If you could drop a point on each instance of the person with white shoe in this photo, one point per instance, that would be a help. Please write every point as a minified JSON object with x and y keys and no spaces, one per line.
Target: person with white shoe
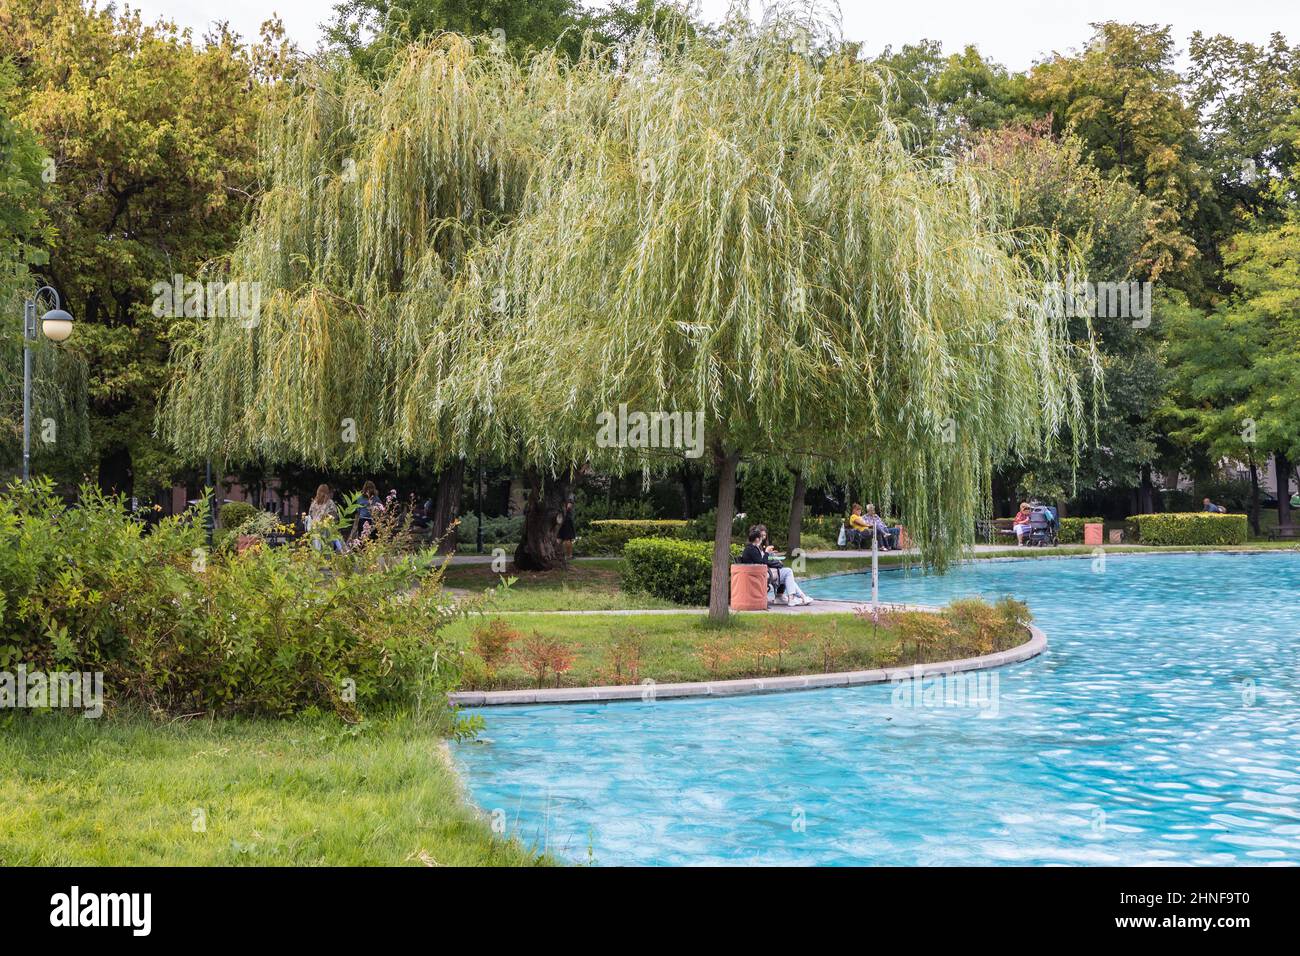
{"x":758,"y":551}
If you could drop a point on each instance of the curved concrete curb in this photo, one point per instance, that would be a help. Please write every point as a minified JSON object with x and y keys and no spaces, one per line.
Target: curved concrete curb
{"x":1036,"y":644}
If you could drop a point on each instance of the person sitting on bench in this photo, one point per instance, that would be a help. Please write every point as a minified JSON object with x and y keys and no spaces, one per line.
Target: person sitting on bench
{"x":859,"y":528}
{"x":757,"y":551}
{"x":883,"y":534}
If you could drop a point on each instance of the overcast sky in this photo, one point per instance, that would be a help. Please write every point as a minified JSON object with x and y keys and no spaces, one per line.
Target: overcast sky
{"x":1012,"y":32}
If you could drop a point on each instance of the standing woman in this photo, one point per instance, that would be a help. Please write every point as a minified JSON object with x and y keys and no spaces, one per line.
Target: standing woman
{"x":366,"y":504}
{"x":323,"y":509}
{"x":567,"y":530}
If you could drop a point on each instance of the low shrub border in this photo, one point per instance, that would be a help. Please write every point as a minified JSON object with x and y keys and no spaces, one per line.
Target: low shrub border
{"x":608,"y":536}
{"x":1188,"y":528}
{"x":1071,"y":531}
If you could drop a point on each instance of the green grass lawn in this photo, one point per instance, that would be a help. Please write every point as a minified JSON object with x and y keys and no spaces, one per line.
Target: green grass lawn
{"x":127,"y":791}
{"x":687,"y":647}
{"x":589,"y":585}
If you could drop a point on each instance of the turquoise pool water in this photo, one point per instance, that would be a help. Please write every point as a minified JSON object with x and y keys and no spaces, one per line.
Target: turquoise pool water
{"x":1162,"y":726}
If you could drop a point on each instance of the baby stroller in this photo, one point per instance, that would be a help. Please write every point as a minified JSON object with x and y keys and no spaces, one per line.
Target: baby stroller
{"x":1043,"y":527}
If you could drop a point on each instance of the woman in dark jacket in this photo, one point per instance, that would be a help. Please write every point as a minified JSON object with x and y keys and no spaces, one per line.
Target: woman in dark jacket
{"x":567,"y":530}
{"x":758,"y":551}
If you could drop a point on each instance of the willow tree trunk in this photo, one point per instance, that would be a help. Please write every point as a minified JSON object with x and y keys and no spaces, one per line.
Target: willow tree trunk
{"x":1283,"y":469}
{"x":539,"y":548}
{"x":720,"y":586}
{"x":796,"y":511}
{"x":1146,"y":493}
{"x":446,"y":506}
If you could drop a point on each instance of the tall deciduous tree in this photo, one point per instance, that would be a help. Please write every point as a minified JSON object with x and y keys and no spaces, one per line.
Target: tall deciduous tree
{"x":1049,"y":185}
{"x":1121,"y":95}
{"x":59,"y":377}
{"x":151,"y":136}
{"x":1237,"y":366}
{"x":483,"y":253}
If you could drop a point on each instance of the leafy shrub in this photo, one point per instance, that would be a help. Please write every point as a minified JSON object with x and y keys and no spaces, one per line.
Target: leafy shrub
{"x":776,"y":639}
{"x":1071,"y":531}
{"x":500,"y":530}
{"x":925,"y":633}
{"x":826,"y":527}
{"x":623,"y":657}
{"x":183,"y":630}
{"x":831,"y":648}
{"x":592,"y":505}
{"x":492,"y":642}
{"x":541,"y":655}
{"x":1188,"y":528}
{"x":700,"y":528}
{"x":234,"y":513}
{"x":678,"y":571}
{"x":815,"y":542}
{"x":609,"y":535}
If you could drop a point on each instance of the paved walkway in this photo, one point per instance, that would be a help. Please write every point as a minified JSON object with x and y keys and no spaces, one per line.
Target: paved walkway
{"x":471,"y":557}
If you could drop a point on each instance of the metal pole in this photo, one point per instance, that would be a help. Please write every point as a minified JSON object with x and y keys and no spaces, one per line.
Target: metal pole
{"x":29,"y":329}
{"x":875,"y":569}
{"x":210,"y":521}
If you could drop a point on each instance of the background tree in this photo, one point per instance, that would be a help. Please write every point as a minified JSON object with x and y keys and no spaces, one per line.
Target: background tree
{"x":375,"y":32}
{"x":152,"y":142}
{"x":1049,"y":185}
{"x":1121,"y":96}
{"x":1237,"y":366}
{"x":59,"y":377}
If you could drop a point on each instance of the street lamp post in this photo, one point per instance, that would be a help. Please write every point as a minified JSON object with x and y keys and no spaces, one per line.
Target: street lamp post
{"x":56,"y":325}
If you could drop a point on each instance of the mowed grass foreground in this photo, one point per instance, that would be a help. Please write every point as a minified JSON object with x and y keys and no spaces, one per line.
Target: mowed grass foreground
{"x":124,"y":791}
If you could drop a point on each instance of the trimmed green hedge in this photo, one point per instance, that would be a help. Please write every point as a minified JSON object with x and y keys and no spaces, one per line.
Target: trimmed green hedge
{"x":1072,"y":529}
{"x":610,"y":535}
{"x":234,"y":513}
{"x":1188,"y":528}
{"x":668,"y":568}
{"x":824,"y":526}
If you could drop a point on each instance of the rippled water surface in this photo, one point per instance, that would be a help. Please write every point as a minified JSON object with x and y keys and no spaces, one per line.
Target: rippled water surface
{"x":1162,"y":725}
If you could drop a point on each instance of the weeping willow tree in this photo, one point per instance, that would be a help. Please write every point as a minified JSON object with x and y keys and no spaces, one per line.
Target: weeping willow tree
{"x":720,"y":238}
{"x":477,"y":254}
{"x":373,"y":196}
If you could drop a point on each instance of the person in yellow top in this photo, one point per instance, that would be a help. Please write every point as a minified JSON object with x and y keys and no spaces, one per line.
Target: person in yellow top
{"x":863,"y":524}
{"x":858,"y":527}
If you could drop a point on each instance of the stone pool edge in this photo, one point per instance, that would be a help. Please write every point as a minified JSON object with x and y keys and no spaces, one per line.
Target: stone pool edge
{"x":1036,"y":644}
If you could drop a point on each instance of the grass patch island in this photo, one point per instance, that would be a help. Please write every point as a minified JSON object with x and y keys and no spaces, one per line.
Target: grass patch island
{"x":511,"y":651}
